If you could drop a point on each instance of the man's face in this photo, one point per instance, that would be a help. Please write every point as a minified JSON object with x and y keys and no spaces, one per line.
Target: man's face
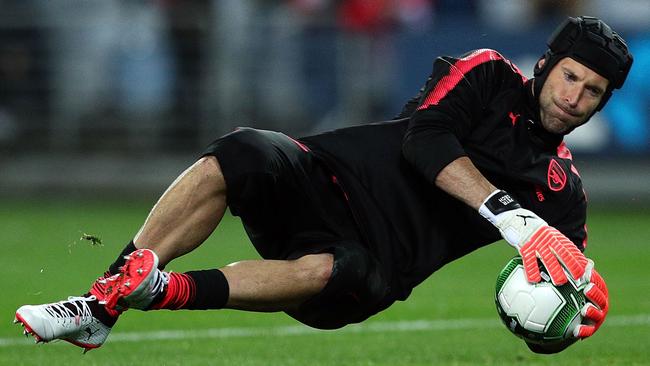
{"x":571,"y":93}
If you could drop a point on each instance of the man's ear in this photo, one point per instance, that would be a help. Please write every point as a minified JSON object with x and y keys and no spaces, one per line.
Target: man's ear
{"x":541,"y":62}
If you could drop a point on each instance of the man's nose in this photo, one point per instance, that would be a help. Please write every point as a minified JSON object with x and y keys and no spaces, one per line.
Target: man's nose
{"x":572,"y":95}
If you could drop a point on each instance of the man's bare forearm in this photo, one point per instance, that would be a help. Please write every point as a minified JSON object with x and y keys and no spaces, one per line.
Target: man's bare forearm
{"x":462,"y":180}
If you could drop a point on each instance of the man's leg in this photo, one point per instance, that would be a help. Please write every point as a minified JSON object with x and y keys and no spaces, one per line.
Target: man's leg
{"x":184,"y":216}
{"x":252,"y":162}
{"x":187,"y":213}
{"x":253,"y":285}
{"x":267,"y":285}
{"x":342,"y":285}
{"x":182,"y":219}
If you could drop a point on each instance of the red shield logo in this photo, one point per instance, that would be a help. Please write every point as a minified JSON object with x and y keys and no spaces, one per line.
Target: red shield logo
{"x":556,"y":176}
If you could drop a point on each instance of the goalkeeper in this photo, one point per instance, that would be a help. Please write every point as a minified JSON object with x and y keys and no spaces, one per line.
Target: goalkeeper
{"x":350,"y":221}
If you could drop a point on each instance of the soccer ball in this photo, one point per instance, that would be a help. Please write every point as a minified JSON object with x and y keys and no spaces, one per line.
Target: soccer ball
{"x":540,"y":313}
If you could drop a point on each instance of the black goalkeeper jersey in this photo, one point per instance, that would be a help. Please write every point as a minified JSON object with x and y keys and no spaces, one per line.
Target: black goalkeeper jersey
{"x":478,"y":106}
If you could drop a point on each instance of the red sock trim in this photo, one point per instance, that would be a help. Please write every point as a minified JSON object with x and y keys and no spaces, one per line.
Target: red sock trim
{"x":181,"y":291}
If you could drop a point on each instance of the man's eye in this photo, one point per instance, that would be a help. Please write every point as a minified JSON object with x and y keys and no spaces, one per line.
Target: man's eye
{"x":594,"y":92}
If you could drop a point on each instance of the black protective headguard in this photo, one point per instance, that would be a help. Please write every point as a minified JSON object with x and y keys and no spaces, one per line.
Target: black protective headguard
{"x":594,"y":44}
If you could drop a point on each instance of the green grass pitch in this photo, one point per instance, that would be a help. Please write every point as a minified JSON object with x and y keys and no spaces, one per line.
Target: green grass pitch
{"x":449,"y":320}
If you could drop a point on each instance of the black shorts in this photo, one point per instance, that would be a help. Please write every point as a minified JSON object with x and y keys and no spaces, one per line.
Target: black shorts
{"x":291,"y":206}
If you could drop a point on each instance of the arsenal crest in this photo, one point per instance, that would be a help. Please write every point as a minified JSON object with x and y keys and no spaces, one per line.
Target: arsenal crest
{"x":556,"y":176}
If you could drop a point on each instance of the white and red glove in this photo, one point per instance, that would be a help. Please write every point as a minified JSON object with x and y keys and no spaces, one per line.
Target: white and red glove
{"x":594,"y":311}
{"x":534,"y":238}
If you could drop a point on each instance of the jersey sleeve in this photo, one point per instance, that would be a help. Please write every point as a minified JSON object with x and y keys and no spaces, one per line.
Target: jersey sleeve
{"x":449,"y":108}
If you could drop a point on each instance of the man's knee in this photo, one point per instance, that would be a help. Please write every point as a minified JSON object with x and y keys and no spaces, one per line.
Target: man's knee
{"x":209,"y":165}
{"x":316,"y":269}
{"x":208,"y":168}
{"x":251,"y":147}
{"x":355,"y":289}
{"x":247,"y":153}
{"x":256,"y":166}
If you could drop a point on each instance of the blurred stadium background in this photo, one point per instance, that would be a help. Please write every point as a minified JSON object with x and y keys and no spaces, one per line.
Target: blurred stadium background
{"x":104,"y":102}
{"x":118,"y":96}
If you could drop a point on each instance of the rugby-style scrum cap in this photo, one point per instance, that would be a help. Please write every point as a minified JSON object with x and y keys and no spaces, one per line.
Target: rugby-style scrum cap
{"x":594,"y":44}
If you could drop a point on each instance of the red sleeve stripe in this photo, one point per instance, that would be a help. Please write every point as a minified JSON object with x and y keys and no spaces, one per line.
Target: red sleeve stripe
{"x":457,"y":72}
{"x":302,"y":146}
{"x":564,"y":153}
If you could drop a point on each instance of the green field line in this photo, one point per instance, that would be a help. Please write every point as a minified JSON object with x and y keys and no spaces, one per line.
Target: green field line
{"x":283,"y":331}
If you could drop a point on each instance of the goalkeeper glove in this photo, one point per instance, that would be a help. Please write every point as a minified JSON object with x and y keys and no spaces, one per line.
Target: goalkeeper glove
{"x":533,"y":238}
{"x":596,"y":309}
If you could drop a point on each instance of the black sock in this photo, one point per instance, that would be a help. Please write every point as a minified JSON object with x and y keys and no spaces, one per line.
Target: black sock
{"x":212,"y":289}
{"x":194,"y":290}
{"x":119,"y":262}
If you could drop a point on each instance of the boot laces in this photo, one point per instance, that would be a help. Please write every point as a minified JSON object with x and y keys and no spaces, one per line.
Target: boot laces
{"x":74,"y":311}
{"x":160,"y":282}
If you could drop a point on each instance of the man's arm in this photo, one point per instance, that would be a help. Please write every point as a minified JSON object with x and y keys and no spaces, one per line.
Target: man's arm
{"x":463,"y":181}
{"x":521,"y":228}
{"x":451,"y":108}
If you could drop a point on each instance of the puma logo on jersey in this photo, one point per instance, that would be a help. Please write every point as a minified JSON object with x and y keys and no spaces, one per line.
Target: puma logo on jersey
{"x":525,"y":217}
{"x":513,"y":117}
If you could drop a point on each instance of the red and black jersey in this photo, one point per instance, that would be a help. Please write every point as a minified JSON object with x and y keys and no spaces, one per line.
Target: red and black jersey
{"x":480,"y":106}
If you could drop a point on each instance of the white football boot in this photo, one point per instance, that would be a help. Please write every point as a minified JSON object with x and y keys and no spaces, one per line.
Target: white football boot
{"x":70,"y":320}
